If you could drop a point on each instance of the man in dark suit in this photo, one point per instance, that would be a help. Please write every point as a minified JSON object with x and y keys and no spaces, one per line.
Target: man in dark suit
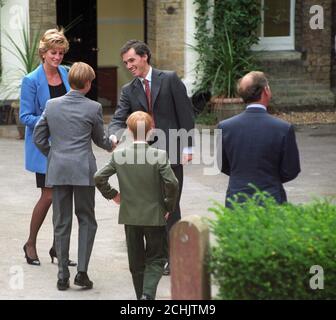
{"x":163,"y":95}
{"x":256,"y":147}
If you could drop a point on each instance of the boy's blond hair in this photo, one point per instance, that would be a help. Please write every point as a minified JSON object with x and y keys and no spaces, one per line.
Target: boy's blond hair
{"x":80,"y":73}
{"x":139,"y":123}
{"x":53,"y":39}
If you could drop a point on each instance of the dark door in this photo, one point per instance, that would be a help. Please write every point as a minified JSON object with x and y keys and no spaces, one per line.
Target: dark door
{"x":79,"y":18}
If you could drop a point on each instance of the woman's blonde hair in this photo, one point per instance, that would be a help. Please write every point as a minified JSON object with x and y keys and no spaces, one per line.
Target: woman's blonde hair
{"x":52,"y":39}
{"x":79,"y":74}
{"x":139,"y":123}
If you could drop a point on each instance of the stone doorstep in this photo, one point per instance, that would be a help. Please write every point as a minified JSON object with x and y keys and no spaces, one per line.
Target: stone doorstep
{"x":305,"y":102}
{"x":278,"y":56}
{"x":9,"y":131}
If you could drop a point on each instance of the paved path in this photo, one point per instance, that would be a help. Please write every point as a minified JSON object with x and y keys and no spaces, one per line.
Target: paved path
{"x":109,"y":268}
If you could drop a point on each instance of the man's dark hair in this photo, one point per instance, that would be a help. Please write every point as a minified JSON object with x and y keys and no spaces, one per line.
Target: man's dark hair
{"x":252,"y":92}
{"x":139,"y":47}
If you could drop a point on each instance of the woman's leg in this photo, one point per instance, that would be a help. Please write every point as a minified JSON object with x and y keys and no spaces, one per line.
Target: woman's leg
{"x":39,"y":213}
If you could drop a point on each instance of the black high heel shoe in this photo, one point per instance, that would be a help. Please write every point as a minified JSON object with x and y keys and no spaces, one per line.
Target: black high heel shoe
{"x":52,"y":253}
{"x":34,"y":262}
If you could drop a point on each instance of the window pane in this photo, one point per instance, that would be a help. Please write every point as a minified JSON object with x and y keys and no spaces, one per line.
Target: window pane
{"x":277,"y":18}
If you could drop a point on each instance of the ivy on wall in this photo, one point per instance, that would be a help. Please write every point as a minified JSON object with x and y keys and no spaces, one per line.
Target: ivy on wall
{"x":225,"y":32}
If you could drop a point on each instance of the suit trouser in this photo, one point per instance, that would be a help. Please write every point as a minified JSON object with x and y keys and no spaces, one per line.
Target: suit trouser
{"x":176,"y":214}
{"x":146,"y":248}
{"x":84,"y":198}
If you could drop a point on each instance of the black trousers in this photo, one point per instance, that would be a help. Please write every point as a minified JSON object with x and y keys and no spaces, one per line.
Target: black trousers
{"x":146,"y":249}
{"x":176,"y":215}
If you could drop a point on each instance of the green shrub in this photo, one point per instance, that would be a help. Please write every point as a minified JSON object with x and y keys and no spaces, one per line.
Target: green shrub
{"x":266,"y":252}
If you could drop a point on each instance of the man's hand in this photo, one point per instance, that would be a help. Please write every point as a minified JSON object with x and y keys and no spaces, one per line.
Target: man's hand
{"x":114,"y":140}
{"x":167,"y":216}
{"x":187,"y":157}
{"x":116,"y":199}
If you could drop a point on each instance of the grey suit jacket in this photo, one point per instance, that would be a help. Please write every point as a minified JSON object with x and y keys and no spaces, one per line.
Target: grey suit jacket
{"x":260,"y":149}
{"x":148,"y":186}
{"x":172,"y":109}
{"x":71,"y":122}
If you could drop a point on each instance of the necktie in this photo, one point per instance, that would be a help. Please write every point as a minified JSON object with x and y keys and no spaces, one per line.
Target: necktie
{"x":148,"y":95}
{"x":149,"y":100}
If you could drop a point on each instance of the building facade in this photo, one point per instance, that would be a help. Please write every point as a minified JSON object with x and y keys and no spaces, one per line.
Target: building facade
{"x":298,"y":55}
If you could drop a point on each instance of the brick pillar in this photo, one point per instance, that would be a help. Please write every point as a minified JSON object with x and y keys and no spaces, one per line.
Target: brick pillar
{"x":166,"y":34}
{"x":42,"y":15}
{"x":298,"y":25}
{"x":316,"y":44}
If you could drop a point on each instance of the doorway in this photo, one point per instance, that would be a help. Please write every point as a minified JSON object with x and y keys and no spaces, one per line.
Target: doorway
{"x":79,"y":18}
{"x":98,"y":29}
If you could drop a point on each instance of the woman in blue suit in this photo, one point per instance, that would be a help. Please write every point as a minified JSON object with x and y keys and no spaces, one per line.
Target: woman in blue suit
{"x":48,"y":80}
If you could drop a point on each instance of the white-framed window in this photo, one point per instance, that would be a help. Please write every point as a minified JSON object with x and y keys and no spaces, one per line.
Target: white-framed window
{"x":276,"y":31}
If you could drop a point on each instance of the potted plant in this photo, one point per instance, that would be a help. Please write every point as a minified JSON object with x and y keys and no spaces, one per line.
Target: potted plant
{"x":225,"y":32}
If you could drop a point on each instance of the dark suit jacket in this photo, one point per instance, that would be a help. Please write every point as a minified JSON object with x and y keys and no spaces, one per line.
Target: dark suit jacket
{"x":172,"y":109}
{"x":259,"y":149}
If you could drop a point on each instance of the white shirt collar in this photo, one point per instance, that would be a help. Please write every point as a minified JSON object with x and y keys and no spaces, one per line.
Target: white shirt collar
{"x":256,"y":105}
{"x":149,"y":75}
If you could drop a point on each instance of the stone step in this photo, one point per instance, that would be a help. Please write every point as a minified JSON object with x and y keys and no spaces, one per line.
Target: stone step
{"x":282,"y":56}
{"x":322,"y":101}
{"x":283,"y":72}
{"x":297,"y":83}
{"x":292,"y":92}
{"x":9,"y":131}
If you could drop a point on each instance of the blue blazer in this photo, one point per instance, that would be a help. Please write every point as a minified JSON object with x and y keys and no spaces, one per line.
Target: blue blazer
{"x":34,"y":95}
{"x":260,"y":149}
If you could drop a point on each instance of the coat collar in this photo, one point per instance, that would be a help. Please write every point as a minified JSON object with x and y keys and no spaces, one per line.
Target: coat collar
{"x":156,"y":84}
{"x":139,"y":92}
{"x":255,"y":110}
{"x":75,"y":93}
{"x":43,"y":94}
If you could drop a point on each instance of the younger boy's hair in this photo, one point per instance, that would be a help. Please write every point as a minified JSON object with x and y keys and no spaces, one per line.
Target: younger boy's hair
{"x":79,"y":74}
{"x":139,"y":123}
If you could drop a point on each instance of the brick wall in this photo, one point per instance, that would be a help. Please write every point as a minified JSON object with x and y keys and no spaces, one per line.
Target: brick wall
{"x":166,"y":34}
{"x":151,"y":29}
{"x":42,"y":15}
{"x":316,"y":44}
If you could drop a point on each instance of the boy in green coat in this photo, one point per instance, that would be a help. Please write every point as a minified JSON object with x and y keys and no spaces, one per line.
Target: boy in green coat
{"x":148,"y":192}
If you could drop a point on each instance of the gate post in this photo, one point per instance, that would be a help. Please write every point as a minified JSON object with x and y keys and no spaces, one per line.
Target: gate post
{"x":189,"y":245}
